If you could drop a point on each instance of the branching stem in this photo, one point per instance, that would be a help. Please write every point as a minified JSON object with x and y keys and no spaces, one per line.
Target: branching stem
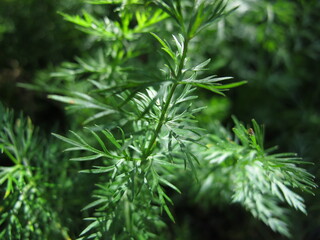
{"x":179,"y":74}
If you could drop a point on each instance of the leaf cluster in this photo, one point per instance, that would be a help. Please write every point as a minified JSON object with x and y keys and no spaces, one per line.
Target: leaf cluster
{"x":257,"y":178}
{"x":26,"y":178}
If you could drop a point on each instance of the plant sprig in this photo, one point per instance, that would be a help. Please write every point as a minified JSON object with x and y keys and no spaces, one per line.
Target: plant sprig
{"x":141,"y":128}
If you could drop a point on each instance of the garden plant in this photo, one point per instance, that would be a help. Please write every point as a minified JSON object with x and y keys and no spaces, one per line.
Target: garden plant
{"x":138,"y":135}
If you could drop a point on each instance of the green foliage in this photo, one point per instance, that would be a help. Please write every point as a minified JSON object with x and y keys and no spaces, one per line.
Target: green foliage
{"x":141,"y":136}
{"x":26,"y":179}
{"x":25,"y":20}
{"x":258,"y":179}
{"x":273,"y":45}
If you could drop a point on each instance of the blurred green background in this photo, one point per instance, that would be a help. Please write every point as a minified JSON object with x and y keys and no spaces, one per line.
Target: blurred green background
{"x":274,"y":45}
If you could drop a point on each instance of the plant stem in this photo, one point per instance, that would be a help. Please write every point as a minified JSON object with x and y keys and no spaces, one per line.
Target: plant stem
{"x":161,"y":121}
{"x":168,"y":101}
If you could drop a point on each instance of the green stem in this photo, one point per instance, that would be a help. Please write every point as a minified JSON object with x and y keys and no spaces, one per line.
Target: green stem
{"x":161,"y":121}
{"x":168,"y":101}
{"x":184,"y":54}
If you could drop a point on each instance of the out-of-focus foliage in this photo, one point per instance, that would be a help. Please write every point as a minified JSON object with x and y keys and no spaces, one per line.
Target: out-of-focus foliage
{"x":275,"y":46}
{"x":33,"y":35}
{"x":30,"y":182}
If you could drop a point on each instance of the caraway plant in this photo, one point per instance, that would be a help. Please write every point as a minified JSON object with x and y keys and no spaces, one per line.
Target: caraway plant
{"x":136,"y":140}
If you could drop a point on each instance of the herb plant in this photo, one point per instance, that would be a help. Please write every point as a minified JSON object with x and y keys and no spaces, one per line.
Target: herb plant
{"x":141,"y":135}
